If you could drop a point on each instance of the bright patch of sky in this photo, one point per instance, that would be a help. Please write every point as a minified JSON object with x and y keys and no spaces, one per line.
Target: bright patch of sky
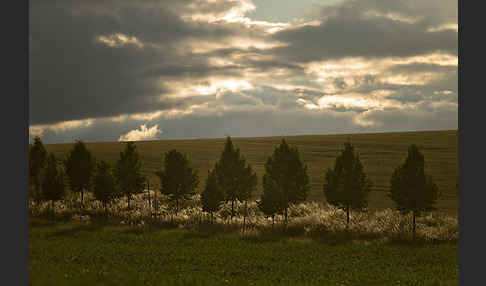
{"x":286,"y":10}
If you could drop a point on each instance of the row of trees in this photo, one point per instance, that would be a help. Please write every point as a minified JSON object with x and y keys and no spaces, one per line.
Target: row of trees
{"x":49,"y":176}
{"x":285,"y":181}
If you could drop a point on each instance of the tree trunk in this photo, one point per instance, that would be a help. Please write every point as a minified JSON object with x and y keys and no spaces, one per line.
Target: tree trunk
{"x":413,"y":230}
{"x":177,"y":206}
{"x":211,"y":217}
{"x":232,"y":209}
{"x":244,"y":218}
{"x":148,"y":190}
{"x":156,"y":204}
{"x":128,"y":201}
{"x":347,"y":217}
{"x":286,"y":217}
{"x":82,"y":197}
{"x":273,"y":220}
{"x":52,"y":205}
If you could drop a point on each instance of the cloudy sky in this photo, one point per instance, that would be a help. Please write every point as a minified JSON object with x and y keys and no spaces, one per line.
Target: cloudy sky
{"x":109,"y":70}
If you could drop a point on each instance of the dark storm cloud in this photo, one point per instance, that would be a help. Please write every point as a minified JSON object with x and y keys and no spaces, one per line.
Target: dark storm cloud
{"x":168,"y":60}
{"x":72,"y":76}
{"x":353,"y":29}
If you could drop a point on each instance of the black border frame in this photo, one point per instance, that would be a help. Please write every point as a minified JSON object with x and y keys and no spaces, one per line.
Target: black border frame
{"x":15,"y":239}
{"x":15,"y":115}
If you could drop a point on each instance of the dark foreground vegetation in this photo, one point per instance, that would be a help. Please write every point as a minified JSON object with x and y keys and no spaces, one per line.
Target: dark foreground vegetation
{"x":97,"y":254}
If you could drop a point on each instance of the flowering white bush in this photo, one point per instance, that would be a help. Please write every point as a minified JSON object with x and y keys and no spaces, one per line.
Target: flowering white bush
{"x":309,"y":218}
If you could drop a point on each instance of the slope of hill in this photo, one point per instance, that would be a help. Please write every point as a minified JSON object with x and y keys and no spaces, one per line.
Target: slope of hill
{"x":379,"y":152}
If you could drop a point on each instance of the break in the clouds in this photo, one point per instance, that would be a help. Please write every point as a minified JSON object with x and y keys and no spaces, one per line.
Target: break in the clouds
{"x":118,"y":70}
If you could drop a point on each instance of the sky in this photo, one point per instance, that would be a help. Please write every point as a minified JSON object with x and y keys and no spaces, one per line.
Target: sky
{"x":116,"y":70}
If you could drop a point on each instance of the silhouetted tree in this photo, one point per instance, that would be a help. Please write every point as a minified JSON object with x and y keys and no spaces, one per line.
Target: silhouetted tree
{"x":37,"y":164}
{"x":53,"y":187}
{"x":347,"y":186}
{"x":104,"y":185}
{"x":177,"y":179}
{"x":411,"y":189}
{"x":212,"y":196}
{"x":271,"y":198}
{"x":79,"y":168}
{"x":128,"y":172}
{"x":289,"y":175}
{"x":235,"y":177}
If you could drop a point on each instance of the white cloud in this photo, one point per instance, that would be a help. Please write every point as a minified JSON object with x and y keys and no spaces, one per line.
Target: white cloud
{"x":143,"y":133}
{"x":444,"y":27}
{"x":36,"y":131}
{"x":119,"y":39}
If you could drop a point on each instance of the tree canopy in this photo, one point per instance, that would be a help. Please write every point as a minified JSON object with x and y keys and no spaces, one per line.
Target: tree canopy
{"x":128,"y":172}
{"x":79,"y":168}
{"x":37,"y":163}
{"x":235,"y":177}
{"x":347,"y":186}
{"x":270,"y":202}
{"x":411,"y":189}
{"x":212,"y":195}
{"x":104,"y":185}
{"x":286,"y":176}
{"x":53,"y":187}
{"x":177,"y":179}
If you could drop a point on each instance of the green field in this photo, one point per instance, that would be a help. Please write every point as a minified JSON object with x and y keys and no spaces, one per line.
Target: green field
{"x":71,"y":254}
{"x":380,"y":153}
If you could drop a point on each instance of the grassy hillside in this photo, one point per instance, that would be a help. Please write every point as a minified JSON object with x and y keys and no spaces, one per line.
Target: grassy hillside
{"x":379,"y":152}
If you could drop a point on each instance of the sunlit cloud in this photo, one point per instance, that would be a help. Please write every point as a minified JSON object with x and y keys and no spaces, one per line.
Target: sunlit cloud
{"x":244,"y":43}
{"x":212,"y":86}
{"x":444,"y":27}
{"x":445,"y":92}
{"x":119,"y":40}
{"x":236,"y":15}
{"x":392,"y":16}
{"x":146,"y":116}
{"x":347,"y":70}
{"x":143,"y":133}
{"x":39,"y":130}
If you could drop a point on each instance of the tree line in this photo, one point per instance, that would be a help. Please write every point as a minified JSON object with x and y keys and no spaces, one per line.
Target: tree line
{"x":285,"y":181}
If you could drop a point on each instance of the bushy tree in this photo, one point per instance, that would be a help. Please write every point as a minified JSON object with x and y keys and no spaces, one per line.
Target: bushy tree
{"x":37,"y":164}
{"x":53,"y":187}
{"x":270,"y":200}
{"x":235,"y":177}
{"x":411,"y":189}
{"x":177,"y":179}
{"x":128,"y":172}
{"x":79,"y":168}
{"x":104,"y":185}
{"x":289,"y":176}
{"x":347,"y":186}
{"x":212,"y":195}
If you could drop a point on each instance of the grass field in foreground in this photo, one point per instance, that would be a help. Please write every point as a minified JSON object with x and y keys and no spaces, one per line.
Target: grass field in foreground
{"x":70,"y":254}
{"x":380,"y":154}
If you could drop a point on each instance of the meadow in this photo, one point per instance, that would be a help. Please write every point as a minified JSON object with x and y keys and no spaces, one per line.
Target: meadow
{"x":97,"y":254}
{"x":380,"y":153}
